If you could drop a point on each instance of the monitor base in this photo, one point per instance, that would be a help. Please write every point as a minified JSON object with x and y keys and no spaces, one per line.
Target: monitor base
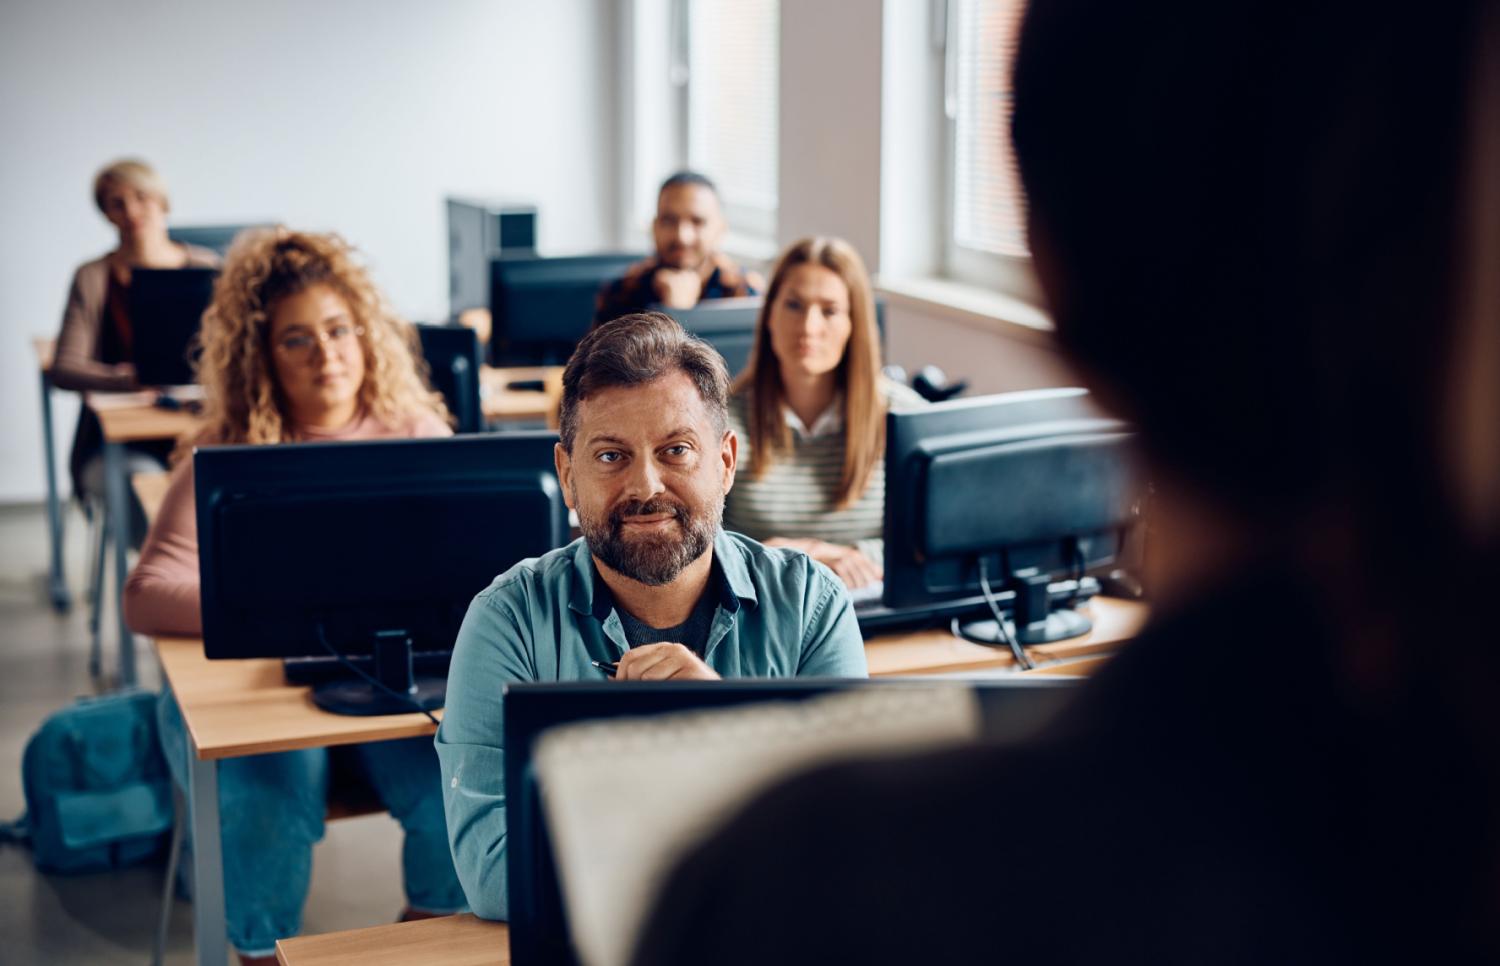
{"x":364,"y":699}
{"x":1058,"y":625}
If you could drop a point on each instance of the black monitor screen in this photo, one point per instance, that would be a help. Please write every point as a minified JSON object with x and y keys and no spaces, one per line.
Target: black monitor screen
{"x":1010,"y":709}
{"x":453,"y":359}
{"x":344,"y":541}
{"x":166,"y":308}
{"x":542,"y":307}
{"x":726,"y":324}
{"x":1034,"y":486}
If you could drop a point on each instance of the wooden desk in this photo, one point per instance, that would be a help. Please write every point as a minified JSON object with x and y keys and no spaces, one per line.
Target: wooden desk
{"x":62,"y":601}
{"x":451,"y":940}
{"x":134,"y":417}
{"x":150,"y":489}
{"x":937,"y":651}
{"x":500,"y":403}
{"x":235,"y":708}
{"x":129,"y":417}
{"x":45,"y":349}
{"x":467,"y":941}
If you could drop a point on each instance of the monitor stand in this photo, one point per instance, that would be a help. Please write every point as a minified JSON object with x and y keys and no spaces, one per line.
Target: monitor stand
{"x":403,"y":691}
{"x":1034,"y":619}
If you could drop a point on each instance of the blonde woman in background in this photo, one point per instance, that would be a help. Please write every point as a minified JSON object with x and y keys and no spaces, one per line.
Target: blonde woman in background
{"x":95,"y":342}
{"x":298,"y":345}
{"x":809,"y":411}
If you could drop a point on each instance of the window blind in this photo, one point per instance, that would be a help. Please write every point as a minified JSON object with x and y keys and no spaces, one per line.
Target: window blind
{"x":733,"y":54}
{"x":989,"y":209}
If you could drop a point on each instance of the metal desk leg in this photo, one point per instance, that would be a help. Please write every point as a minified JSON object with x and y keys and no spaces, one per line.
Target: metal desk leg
{"x":61,"y":601}
{"x":119,"y":533}
{"x":209,"y":930}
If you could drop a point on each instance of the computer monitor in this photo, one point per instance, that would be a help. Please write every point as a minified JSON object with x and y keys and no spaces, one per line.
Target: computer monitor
{"x":366,"y":548}
{"x":479,"y":230}
{"x":1010,"y":709}
{"x":729,"y":326}
{"x":542,"y":307}
{"x":453,"y":360}
{"x":215,"y":237}
{"x":726,"y":324}
{"x":1025,"y":492}
{"x":166,"y":307}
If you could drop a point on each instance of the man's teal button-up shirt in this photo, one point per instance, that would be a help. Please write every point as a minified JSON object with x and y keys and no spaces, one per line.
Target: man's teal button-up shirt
{"x":779,"y":614}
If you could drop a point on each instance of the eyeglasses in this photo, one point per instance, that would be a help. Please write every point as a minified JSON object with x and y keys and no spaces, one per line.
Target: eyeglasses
{"x":336,"y":338}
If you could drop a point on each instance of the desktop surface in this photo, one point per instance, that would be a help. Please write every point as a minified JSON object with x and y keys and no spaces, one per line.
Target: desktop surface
{"x":237,"y":708}
{"x":246,"y":707}
{"x":461,"y":940}
{"x":133,"y":417}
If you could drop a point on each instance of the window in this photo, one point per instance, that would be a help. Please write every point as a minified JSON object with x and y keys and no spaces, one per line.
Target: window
{"x":987,"y":209}
{"x":732,"y":103}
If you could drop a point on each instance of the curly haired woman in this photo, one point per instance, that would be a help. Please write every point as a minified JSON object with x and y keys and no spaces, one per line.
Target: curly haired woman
{"x":298,"y":345}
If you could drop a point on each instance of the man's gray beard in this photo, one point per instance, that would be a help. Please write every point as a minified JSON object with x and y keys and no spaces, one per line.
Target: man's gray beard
{"x":657,"y":559}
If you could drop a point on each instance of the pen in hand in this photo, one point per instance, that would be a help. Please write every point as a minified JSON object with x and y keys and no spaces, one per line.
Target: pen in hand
{"x":608,"y":667}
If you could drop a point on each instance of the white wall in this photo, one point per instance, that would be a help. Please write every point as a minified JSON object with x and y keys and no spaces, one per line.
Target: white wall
{"x":970,"y":348}
{"x":350,"y":115}
{"x":830,"y":124}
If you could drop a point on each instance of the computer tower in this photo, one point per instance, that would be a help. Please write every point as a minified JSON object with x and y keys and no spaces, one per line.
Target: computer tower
{"x":479,"y":231}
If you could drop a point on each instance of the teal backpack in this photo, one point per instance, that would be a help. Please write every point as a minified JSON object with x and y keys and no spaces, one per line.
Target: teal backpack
{"x":98,"y":795}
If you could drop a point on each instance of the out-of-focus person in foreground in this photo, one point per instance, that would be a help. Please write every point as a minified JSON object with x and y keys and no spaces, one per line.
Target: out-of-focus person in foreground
{"x":1267,"y":232}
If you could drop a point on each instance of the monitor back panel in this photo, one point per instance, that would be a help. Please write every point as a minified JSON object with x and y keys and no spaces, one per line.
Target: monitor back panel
{"x":214,"y":237}
{"x":453,"y":359}
{"x":166,"y":309}
{"x":542,"y":307}
{"x":360,"y":537}
{"x":1011,"y":709}
{"x":950,"y":460}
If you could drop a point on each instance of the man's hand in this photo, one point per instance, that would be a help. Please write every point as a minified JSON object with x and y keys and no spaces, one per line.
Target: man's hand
{"x":677,"y":288}
{"x":663,"y":662}
{"x":852,"y":567}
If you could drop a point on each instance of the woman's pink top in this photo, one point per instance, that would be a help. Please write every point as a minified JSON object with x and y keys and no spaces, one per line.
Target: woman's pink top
{"x":161,"y":596}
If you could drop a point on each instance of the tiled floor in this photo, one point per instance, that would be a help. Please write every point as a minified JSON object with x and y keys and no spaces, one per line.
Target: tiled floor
{"x":111,"y":917}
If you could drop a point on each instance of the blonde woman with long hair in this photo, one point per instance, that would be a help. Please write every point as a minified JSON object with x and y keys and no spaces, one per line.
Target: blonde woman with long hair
{"x":298,"y":345}
{"x":809,"y":410}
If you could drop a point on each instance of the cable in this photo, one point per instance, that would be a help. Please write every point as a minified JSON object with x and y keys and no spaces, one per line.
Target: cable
{"x":1005,"y":632}
{"x":322,"y":639}
{"x":1080,"y":568}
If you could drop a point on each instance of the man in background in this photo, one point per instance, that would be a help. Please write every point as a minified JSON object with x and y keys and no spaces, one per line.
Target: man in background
{"x":688,"y":266}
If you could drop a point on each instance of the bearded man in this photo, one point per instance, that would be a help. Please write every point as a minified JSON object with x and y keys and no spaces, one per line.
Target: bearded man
{"x":654,"y":586}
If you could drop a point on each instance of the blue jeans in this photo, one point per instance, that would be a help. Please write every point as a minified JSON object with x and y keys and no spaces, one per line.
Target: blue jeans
{"x":271,"y":810}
